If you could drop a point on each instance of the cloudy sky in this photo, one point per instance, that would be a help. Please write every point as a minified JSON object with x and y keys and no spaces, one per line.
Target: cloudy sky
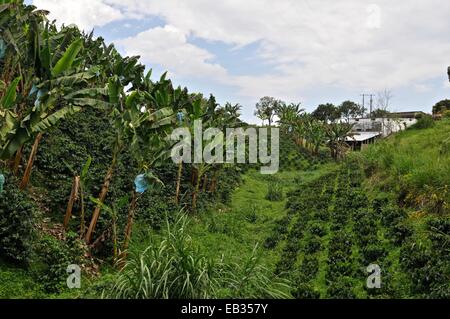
{"x":308,"y":51}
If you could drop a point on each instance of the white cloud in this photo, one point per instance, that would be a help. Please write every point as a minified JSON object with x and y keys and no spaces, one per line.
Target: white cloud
{"x":87,"y":14}
{"x":168,"y":47}
{"x":351,"y":44}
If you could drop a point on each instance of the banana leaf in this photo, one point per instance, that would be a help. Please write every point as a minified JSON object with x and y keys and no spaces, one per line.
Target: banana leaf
{"x":66,"y":61}
{"x":10,"y":96}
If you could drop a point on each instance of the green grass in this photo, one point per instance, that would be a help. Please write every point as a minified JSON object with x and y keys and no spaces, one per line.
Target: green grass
{"x":16,"y":283}
{"x":234,"y":230}
{"x":415,"y":164}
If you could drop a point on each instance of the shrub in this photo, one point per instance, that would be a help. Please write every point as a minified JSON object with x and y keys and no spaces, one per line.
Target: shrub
{"x":372,"y":253}
{"x":399,"y":233}
{"x":17,"y":214}
{"x":446,"y":114}
{"x":426,"y":121}
{"x":317,"y":228}
{"x":271,"y":242}
{"x":154,"y":210}
{"x":309,"y":267}
{"x":313,"y":245}
{"x":341,"y":289}
{"x":439,"y":230}
{"x":54,"y":256}
{"x":391,"y":215}
{"x":379,"y":202}
{"x":305,"y":291}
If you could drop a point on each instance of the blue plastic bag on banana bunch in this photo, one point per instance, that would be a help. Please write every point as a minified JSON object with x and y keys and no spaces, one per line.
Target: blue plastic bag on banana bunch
{"x":140,"y":183}
{"x":2,"y":182}
{"x":180,"y":117}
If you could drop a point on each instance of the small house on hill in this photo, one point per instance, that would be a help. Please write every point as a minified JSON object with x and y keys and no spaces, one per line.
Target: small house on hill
{"x":360,"y":140}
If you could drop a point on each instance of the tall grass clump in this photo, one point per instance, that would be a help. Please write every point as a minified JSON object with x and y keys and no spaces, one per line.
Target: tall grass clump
{"x":274,"y":190}
{"x":173,"y":268}
{"x":250,"y":279}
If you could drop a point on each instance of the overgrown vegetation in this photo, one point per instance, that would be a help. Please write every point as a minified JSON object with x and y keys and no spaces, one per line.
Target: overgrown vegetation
{"x":174,"y":268}
{"x":86,"y":179}
{"x":377,"y":208}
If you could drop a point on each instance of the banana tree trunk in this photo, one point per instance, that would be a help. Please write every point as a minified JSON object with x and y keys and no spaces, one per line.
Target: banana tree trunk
{"x":121,"y":262}
{"x":17,"y":161}
{"x":27,"y":174}
{"x":177,"y":194}
{"x":101,"y":198}
{"x":205,"y":182}
{"x":193,"y":176}
{"x":130,"y":221}
{"x":213,"y":183}
{"x":72,"y":199}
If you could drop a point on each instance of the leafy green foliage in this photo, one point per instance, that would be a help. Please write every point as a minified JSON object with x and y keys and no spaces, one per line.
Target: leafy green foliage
{"x":17,"y":217}
{"x":53,"y":258}
{"x":425,"y":121}
{"x":174,"y":268}
{"x":441,"y":106}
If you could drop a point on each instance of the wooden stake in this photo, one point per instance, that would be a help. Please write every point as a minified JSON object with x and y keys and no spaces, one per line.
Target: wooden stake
{"x":72,"y":199}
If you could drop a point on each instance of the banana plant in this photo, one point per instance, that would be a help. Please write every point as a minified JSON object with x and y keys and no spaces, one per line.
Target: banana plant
{"x":211,"y":118}
{"x":21,"y":29}
{"x":187,"y":117}
{"x":288,"y":114}
{"x":136,"y":117}
{"x":47,"y":112}
{"x":155,"y":151}
{"x":316,"y":135}
{"x":8,"y":117}
{"x":113,"y":212}
{"x":336,"y":134}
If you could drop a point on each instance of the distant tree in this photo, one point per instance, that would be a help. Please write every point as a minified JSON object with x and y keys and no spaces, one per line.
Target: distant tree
{"x":384,"y":100}
{"x":441,"y":106}
{"x":326,"y":112}
{"x":266,"y":108}
{"x":349,"y":109}
{"x":336,"y":135}
{"x":379,"y":113}
{"x":288,"y":113}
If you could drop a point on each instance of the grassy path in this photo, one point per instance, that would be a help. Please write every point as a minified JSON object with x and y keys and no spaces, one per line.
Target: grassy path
{"x":234,"y":230}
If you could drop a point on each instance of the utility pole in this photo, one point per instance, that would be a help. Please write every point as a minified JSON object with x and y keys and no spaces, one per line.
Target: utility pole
{"x":371,"y":102}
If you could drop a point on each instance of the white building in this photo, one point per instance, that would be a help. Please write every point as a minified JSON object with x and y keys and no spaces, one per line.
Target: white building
{"x":367,"y":130}
{"x":395,"y":122}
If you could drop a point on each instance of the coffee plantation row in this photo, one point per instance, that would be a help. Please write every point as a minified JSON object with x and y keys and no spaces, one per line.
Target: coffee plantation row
{"x":332,"y":232}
